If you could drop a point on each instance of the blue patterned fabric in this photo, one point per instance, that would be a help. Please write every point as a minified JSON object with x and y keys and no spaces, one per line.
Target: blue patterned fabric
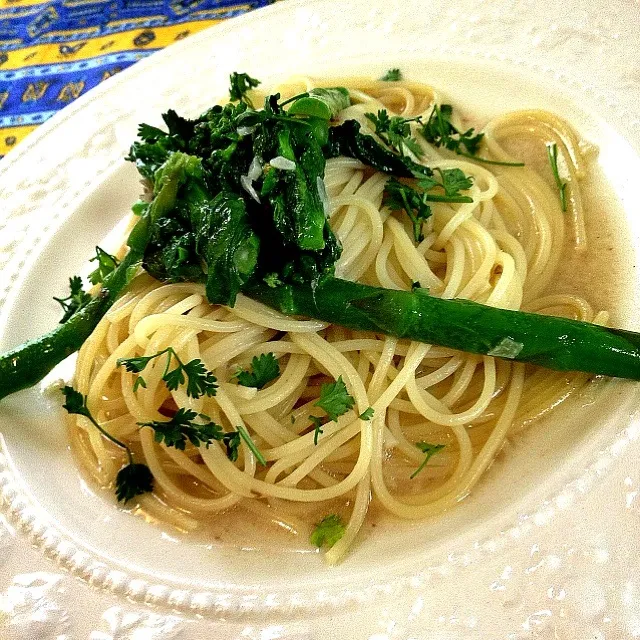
{"x":53,"y":52}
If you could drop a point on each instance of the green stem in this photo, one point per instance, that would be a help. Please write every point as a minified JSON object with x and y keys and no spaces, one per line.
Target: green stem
{"x":487,"y":161}
{"x":453,"y":199}
{"x":252,"y":445}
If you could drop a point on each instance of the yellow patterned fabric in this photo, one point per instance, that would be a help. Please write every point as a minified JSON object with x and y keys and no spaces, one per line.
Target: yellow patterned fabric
{"x":53,"y":52}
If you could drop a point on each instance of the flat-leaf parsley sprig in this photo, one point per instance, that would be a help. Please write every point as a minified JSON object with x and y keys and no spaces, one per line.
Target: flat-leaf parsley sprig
{"x":182,"y":427}
{"x":439,"y":131}
{"x":76,"y":300}
{"x":429,"y":450}
{"x":399,"y":196}
{"x":335,"y":400}
{"x":200,"y":381}
{"x":133,"y":479}
{"x":264,"y":369}
{"x":395,"y":131}
{"x":239,"y":85}
{"x":200,"y":430}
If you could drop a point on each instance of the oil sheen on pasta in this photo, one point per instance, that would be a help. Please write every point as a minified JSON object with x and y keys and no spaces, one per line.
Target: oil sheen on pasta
{"x":513,"y":247}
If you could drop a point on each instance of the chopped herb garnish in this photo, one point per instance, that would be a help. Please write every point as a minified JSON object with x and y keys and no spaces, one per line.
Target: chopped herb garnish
{"x":200,"y":381}
{"x":392,"y":75}
{"x":134,"y":478}
{"x":401,"y":197}
{"x":272,"y":280}
{"x":76,"y":300}
{"x":231,"y":441}
{"x":367,"y":414}
{"x":239,"y":85}
{"x":429,"y":450}
{"x":452,"y":181}
{"x":264,"y":369}
{"x":106,"y":264}
{"x":328,"y":531}
{"x":317,"y":428}
{"x":182,"y":427}
{"x":439,"y":131}
{"x":335,"y":399}
{"x":395,"y":131}
{"x":552,"y":153}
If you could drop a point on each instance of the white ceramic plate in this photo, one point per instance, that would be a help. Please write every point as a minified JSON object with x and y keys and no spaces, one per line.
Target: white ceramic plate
{"x":546,"y":547}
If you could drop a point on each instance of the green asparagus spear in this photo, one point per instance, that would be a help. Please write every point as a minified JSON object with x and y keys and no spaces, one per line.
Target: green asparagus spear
{"x":555,"y":343}
{"x":27,"y":364}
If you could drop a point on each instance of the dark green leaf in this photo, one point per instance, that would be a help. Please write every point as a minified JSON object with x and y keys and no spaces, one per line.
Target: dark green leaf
{"x":76,"y":300}
{"x":133,"y":480}
{"x":440,"y":132}
{"x":401,"y":197}
{"x":392,"y":75}
{"x":200,"y":381}
{"x":231,"y":441}
{"x":452,"y":182}
{"x":182,"y":428}
{"x":335,"y":399}
{"x":367,"y":414}
{"x":395,"y":131}
{"x":239,"y":85}
{"x":75,"y":402}
{"x":264,"y":368}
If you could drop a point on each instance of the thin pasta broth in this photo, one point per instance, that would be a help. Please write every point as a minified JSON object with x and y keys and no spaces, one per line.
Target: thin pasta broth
{"x":424,"y":422}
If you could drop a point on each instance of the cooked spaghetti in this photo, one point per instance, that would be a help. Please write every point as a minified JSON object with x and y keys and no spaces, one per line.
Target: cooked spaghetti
{"x":502,"y":249}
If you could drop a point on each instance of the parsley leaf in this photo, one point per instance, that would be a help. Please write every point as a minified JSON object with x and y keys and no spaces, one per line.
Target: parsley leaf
{"x":395,"y":131}
{"x":401,"y":197}
{"x":231,"y":441}
{"x":264,"y":369}
{"x":328,"y":531}
{"x":335,"y":399}
{"x":239,"y":85}
{"x":272,"y":280}
{"x":367,"y":414}
{"x":439,"y":131}
{"x":452,"y":181}
{"x":200,"y":381}
{"x":182,"y":427}
{"x":106,"y":264}
{"x":76,"y":300}
{"x":429,"y":450}
{"x":552,"y":153}
{"x":133,"y":480}
{"x":392,"y":75}
{"x":75,"y":402}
